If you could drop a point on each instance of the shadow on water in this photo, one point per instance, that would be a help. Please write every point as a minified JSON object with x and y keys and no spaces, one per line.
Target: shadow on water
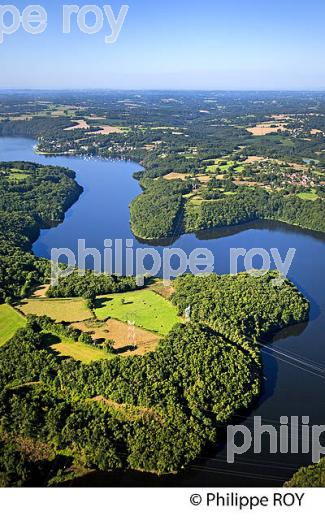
{"x":228,"y":231}
{"x":162,"y":242}
{"x":268,"y":225}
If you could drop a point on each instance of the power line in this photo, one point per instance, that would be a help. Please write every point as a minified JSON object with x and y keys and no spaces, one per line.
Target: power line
{"x":303,"y":364}
{"x":250,"y":462}
{"x":304,"y":361}
{"x":236,"y":473}
{"x":295,"y":365}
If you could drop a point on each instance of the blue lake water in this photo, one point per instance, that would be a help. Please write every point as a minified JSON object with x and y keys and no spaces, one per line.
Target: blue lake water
{"x":102,"y":213}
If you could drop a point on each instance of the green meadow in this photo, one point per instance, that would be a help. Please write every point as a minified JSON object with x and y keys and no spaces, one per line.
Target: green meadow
{"x":144,"y":307}
{"x":308,"y":195}
{"x":80,"y":351}
{"x":10,"y":322}
{"x":224,"y":167}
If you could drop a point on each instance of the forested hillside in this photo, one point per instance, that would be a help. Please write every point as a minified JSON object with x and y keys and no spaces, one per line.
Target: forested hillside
{"x":157,"y":212}
{"x":31,"y":197}
{"x":249,"y":205}
{"x":154,"y":413}
{"x":242,"y":305}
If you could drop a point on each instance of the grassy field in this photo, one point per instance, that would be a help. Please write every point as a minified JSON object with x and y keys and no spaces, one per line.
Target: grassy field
{"x":17,"y":176}
{"x":69,"y":310}
{"x":67,"y":347}
{"x":195,"y":201}
{"x":224,"y":167}
{"x":308,"y":196}
{"x":10,"y":322}
{"x":80,"y":352}
{"x":146,"y":308}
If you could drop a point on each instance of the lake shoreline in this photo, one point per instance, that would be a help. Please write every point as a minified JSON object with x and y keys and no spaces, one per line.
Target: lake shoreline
{"x":108,"y":188}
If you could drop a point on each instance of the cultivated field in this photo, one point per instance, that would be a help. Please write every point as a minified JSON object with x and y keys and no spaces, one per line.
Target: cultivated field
{"x":254,"y":158}
{"x":223,"y":165}
{"x":17,"y":176}
{"x":266,"y":128}
{"x":145,"y":308}
{"x":68,"y":310}
{"x":40,"y":291}
{"x":10,"y":322}
{"x":176,"y":176}
{"x":123,"y":336}
{"x":107,"y":130}
{"x":82,"y":125}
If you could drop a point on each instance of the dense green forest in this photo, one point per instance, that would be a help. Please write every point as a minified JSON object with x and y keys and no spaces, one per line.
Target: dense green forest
{"x":31,"y":197}
{"x":34,"y":127}
{"x":237,"y":304}
{"x":153,"y":413}
{"x":311,"y":476}
{"x":158,"y":212}
{"x":87,"y":284}
{"x":162,"y":212}
{"x":256,"y":204}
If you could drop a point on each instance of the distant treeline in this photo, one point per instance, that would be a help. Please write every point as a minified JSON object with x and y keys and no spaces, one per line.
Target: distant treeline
{"x":35,"y":127}
{"x":88,"y":285}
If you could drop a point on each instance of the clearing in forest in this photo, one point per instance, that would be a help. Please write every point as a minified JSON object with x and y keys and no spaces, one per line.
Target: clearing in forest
{"x":65,"y":309}
{"x":80,"y":351}
{"x":145,"y":308}
{"x":128,"y":340}
{"x":108,"y":129}
{"x":10,"y":322}
{"x":266,"y":128}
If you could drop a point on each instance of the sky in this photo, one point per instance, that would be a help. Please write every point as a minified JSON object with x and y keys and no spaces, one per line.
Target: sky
{"x":173,"y":44}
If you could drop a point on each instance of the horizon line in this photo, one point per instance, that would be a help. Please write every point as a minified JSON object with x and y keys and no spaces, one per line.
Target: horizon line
{"x":171,"y":89}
